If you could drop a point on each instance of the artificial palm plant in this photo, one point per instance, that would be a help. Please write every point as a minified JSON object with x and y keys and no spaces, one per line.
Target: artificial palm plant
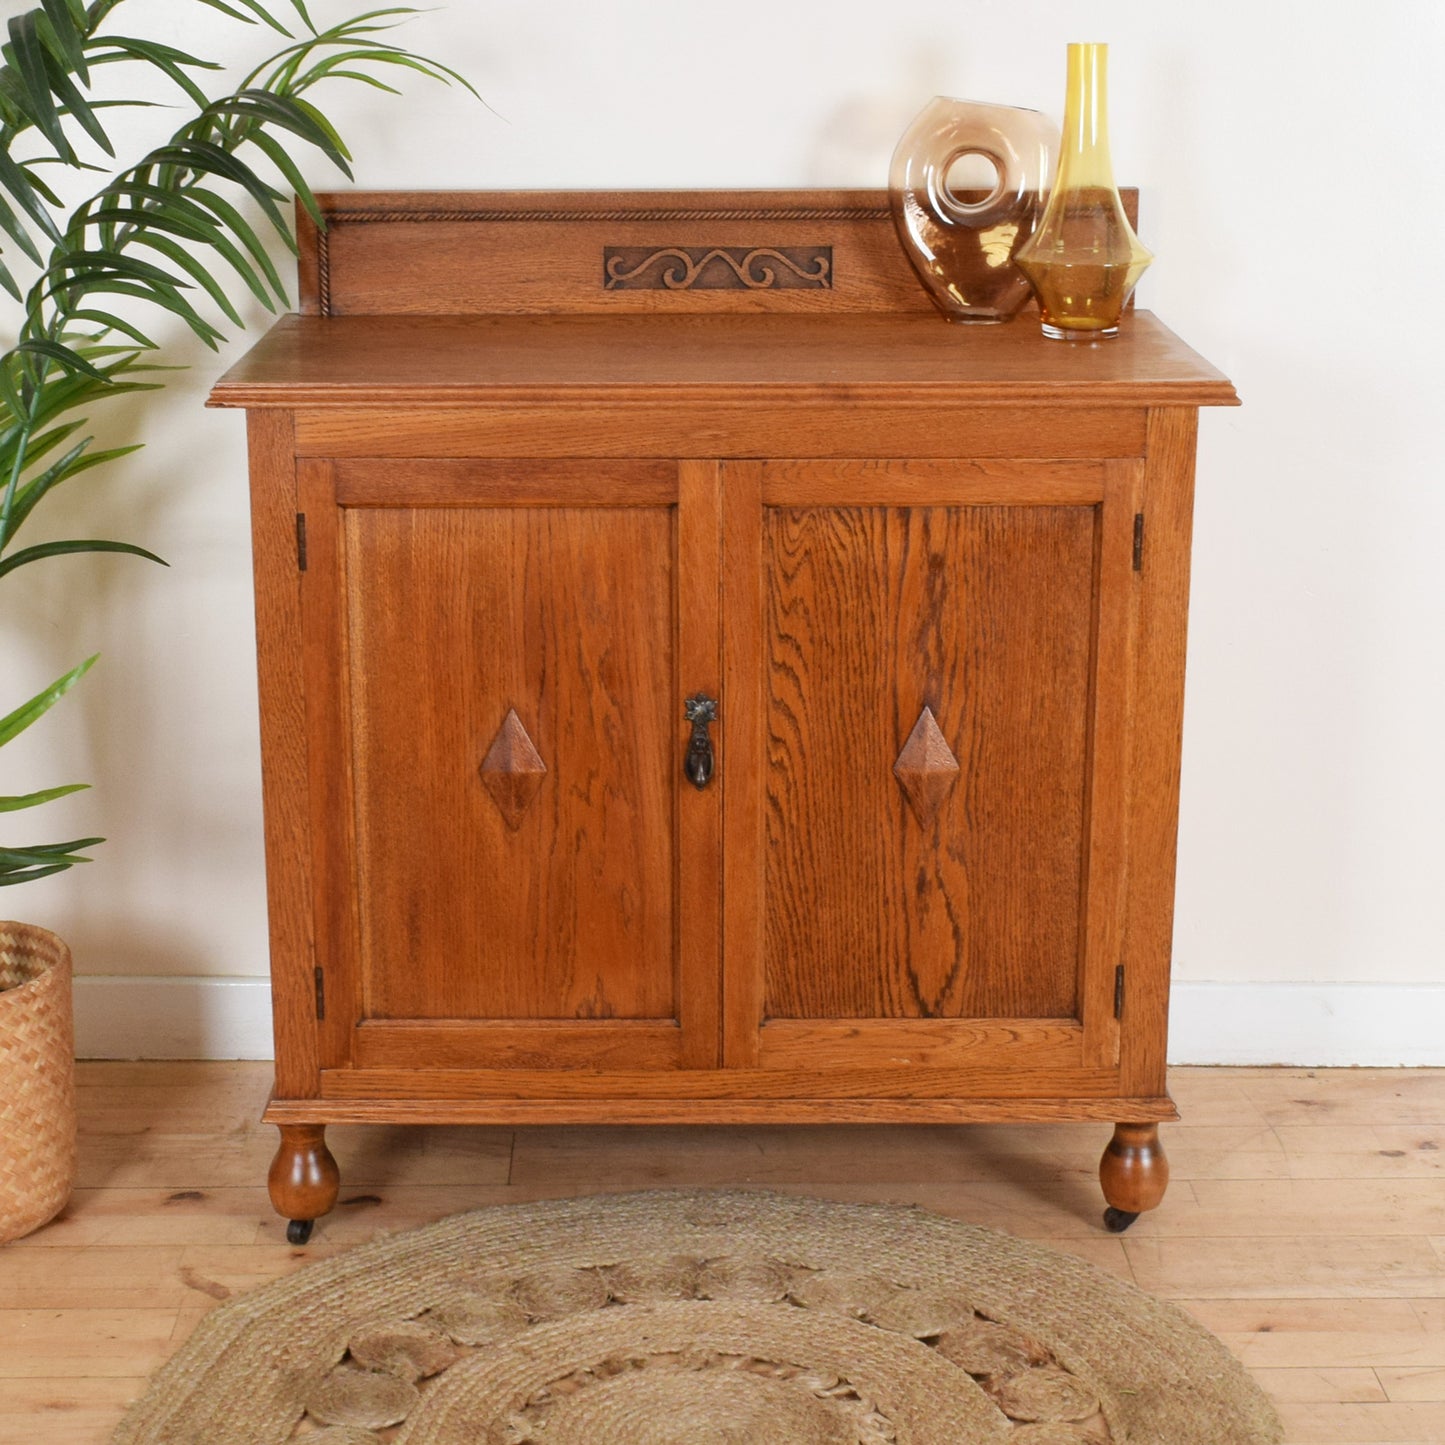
{"x":179,"y":232}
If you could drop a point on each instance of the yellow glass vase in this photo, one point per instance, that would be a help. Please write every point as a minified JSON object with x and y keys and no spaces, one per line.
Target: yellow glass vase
{"x":1083,"y":259}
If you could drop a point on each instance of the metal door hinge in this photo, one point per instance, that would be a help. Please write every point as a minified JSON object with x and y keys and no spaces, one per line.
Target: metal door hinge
{"x":301,"y":541}
{"x":1138,"y":541}
{"x":320,"y":993}
{"x":1119,"y":992}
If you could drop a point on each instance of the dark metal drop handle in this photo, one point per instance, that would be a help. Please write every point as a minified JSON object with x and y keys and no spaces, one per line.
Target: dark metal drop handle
{"x":700,"y":710}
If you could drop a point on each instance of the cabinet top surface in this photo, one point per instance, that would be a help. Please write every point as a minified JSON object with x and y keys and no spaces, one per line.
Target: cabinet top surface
{"x":307,"y":361}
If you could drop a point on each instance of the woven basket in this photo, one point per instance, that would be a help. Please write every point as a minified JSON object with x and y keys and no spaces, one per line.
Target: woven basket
{"x":37,"y":1079}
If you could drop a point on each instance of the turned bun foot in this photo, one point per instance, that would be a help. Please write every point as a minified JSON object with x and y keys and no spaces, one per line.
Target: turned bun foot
{"x":304,"y":1179}
{"x":1134,"y":1174}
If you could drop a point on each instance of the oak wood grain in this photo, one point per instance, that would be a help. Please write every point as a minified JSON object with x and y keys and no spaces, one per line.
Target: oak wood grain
{"x":1168,"y":502}
{"x":981,"y":1078}
{"x":281,"y":672}
{"x":333,"y":981}
{"x":743,"y":711}
{"x":911,"y":482}
{"x":984,"y":616}
{"x":544,"y":251}
{"x":1109,"y":743}
{"x":397,"y":1107}
{"x":840,"y":1044}
{"x":540,"y":251}
{"x":698,"y":854}
{"x":515,"y":482}
{"x":306,"y":361}
{"x":456,"y":616}
{"x":707,"y":430}
{"x":549,"y":1043}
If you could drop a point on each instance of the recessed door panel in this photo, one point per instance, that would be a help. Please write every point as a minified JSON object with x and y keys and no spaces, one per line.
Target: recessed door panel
{"x":512,"y":729}
{"x":511,"y":711}
{"x":929,"y":867}
{"x":927,"y":716}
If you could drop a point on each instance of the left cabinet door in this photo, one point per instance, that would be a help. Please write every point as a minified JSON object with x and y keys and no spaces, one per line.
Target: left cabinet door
{"x":496,"y":659}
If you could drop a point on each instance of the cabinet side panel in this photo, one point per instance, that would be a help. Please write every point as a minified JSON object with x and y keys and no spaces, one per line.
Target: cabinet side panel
{"x":1168,"y":505}
{"x":1110,"y":740}
{"x":283,"y":750}
{"x":928,"y":685}
{"x":516,"y":748}
{"x":328,"y":762}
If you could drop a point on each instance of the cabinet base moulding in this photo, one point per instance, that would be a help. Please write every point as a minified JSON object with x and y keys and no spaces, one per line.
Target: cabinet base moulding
{"x":717,"y":1111}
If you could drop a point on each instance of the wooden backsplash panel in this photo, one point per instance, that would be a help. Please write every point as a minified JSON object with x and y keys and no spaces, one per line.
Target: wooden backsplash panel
{"x":605,"y":252}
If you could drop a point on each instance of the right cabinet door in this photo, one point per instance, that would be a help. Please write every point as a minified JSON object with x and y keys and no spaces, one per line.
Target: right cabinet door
{"x":926,"y":716}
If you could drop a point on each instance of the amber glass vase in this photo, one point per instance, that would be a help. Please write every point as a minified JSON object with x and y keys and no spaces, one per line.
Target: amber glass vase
{"x":962,"y":243}
{"x":1083,"y":259}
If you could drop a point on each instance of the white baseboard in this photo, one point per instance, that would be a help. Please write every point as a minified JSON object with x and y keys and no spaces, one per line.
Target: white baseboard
{"x":1309,"y":1025}
{"x":1303,"y":1024}
{"x":172,"y":1018}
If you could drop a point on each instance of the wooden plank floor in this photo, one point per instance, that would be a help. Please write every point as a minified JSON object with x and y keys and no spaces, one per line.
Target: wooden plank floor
{"x":1305,"y":1223}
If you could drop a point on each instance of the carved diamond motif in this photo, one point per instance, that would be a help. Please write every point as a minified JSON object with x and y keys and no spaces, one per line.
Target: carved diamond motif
{"x":512,"y":770}
{"x":926,"y":768}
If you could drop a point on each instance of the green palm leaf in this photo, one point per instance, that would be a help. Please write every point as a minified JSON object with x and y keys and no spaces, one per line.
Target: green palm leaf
{"x":257,"y":12}
{"x":207,"y":159}
{"x":23,"y":188}
{"x":292,"y":172}
{"x":33,"y":800}
{"x":26,"y":56}
{"x":206,"y":209}
{"x":68,"y":32}
{"x":42,"y":444}
{"x":10,"y":223}
{"x":15,"y":723}
{"x":194,"y":267}
{"x":29,"y":875}
{"x":189,"y":222}
{"x":27,"y":555}
{"x":63,"y":355}
{"x":73,"y":103}
{"x":161,"y":233}
{"x":21,"y":865}
{"x":72,"y":464}
{"x":289,"y":115}
{"x":111,"y":322}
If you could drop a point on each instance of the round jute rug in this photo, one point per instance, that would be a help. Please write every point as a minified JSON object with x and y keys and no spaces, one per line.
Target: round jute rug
{"x":700,"y":1319}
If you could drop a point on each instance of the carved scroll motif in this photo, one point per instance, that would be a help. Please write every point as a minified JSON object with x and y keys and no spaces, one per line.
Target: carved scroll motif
{"x":717,"y":268}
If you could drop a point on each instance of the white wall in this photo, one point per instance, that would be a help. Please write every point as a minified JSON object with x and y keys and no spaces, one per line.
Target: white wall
{"x":1290,"y":166}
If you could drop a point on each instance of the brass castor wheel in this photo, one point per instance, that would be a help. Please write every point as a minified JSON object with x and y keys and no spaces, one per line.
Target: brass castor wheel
{"x":1116,"y":1221}
{"x":298,"y":1231}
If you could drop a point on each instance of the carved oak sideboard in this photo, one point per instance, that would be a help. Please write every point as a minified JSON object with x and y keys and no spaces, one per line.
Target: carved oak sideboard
{"x":700,"y":684}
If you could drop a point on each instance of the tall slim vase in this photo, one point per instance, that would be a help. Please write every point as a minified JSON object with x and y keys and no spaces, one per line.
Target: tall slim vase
{"x":1083,"y":259}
